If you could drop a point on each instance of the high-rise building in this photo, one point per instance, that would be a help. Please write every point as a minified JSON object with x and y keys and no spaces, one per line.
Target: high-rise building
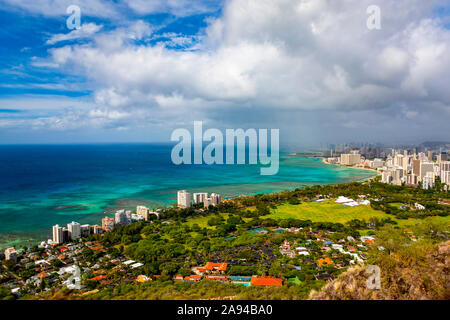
{"x":389,"y":161}
{"x":387,"y":177}
{"x":422,"y":157}
{"x":377,"y":163}
{"x":416,"y":167}
{"x":207,"y":202}
{"x":444,"y":166}
{"x":96,"y":229}
{"x":184,"y":199}
{"x":405,"y":164}
{"x":122,"y":217}
{"x":215,"y":199}
{"x":145,"y":213}
{"x":398,"y":160}
{"x":85,"y":230}
{"x":66,"y":235}
{"x":108,"y":224}
{"x":142,"y":212}
{"x":430,"y":155}
{"x":398,"y":175}
{"x":445,"y":177}
{"x":11,"y":254}
{"x":350,"y":159}
{"x":74,"y":229}
{"x":412,"y":180}
{"x":426,"y":167}
{"x":199,"y":197}
{"x":57,"y":234}
{"x":428,"y":180}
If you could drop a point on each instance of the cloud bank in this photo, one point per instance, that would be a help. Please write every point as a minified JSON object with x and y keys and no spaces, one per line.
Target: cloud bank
{"x":309,"y":66}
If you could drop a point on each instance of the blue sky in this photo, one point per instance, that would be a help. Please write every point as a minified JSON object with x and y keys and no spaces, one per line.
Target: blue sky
{"x":25,"y":35}
{"x":138,"y":69}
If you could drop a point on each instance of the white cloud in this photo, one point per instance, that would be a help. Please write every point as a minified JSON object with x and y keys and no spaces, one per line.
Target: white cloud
{"x":37,"y":103}
{"x":94,"y":8}
{"x":176,"y":7}
{"x":262,"y":58}
{"x":267,"y":52}
{"x":114,"y":9}
{"x":85,"y":31}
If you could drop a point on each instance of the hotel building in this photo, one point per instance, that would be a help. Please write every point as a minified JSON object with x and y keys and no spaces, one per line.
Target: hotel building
{"x":184,"y":199}
{"x":425,"y":168}
{"x":58,"y":236}
{"x":200,"y":197}
{"x":350,"y":159}
{"x":11,"y":254}
{"x":122,"y":217}
{"x":108,"y":224}
{"x":74,"y":229}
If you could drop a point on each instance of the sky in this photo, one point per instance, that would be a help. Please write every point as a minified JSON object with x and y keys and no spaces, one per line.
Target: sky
{"x":136,"y":70}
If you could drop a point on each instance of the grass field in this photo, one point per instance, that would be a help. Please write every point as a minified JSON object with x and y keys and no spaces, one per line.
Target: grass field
{"x":326,"y":211}
{"x":444,"y":221}
{"x":203,"y":221}
{"x":396,"y":205}
{"x":329,"y":211}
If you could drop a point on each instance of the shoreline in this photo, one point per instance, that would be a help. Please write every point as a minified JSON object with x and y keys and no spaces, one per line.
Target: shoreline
{"x":16,"y":242}
{"x":324,"y":160}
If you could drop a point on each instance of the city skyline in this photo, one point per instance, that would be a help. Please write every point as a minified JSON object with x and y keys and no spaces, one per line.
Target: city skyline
{"x":136,"y":70}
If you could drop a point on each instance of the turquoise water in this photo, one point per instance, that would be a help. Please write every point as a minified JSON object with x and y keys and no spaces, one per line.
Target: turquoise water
{"x":245,"y":284}
{"x":41,"y":186}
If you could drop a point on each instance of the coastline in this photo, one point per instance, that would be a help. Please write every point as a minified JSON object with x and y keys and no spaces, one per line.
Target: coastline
{"x":324,"y":160}
{"x":24,"y":238}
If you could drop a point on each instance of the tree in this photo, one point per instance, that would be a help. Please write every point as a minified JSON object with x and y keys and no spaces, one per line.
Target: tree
{"x":5,"y":294}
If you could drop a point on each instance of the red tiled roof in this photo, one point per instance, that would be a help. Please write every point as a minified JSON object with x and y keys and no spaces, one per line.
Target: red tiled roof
{"x":220,"y":266}
{"x":43,"y":275}
{"x":98,"y":278}
{"x":266,"y":281}
{"x":325,"y":260}
{"x":193,"y":277}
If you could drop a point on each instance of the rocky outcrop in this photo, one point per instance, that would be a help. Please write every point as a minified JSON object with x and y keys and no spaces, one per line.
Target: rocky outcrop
{"x":401,"y":279}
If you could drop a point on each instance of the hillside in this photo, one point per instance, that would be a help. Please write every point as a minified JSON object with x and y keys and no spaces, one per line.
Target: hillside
{"x":421,"y":277}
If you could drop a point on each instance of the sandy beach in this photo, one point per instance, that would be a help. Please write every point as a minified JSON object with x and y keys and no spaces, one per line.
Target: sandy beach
{"x":324,"y":160}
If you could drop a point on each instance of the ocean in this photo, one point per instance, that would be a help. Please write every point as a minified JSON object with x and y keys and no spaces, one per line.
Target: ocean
{"x":44,"y":185}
